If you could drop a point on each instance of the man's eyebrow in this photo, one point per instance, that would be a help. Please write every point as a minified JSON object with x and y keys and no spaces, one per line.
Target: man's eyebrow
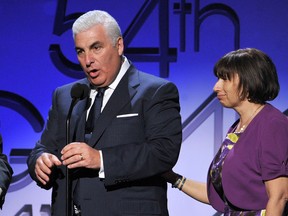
{"x":90,"y":47}
{"x":94,"y":44}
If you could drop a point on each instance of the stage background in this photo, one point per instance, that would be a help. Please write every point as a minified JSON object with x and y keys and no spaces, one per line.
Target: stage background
{"x":179,"y":40}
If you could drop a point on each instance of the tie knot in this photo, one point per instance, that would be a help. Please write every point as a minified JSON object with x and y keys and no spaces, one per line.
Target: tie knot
{"x":100,"y":91}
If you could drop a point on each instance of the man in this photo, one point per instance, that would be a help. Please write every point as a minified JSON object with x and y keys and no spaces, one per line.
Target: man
{"x":117,"y":169}
{"x":6,"y":173}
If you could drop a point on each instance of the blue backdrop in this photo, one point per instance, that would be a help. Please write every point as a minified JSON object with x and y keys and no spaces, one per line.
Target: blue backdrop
{"x":179,"y":40}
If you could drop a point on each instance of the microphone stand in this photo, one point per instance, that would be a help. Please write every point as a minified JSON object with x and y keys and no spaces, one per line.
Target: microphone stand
{"x":78,"y":92}
{"x":69,"y":202}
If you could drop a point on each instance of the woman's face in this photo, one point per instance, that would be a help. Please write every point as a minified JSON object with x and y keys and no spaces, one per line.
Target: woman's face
{"x":228,"y":91}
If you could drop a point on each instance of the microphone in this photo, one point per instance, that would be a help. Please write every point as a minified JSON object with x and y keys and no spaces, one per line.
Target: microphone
{"x":78,"y":92}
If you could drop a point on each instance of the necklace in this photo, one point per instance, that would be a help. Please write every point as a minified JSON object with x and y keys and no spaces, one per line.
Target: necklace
{"x":246,"y":123}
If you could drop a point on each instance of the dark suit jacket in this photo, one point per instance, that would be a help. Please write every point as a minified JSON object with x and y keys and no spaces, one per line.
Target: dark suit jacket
{"x":136,"y":149}
{"x":6,"y":173}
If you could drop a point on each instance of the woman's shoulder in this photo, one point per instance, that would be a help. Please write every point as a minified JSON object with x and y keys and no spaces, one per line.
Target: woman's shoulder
{"x":272,"y":121}
{"x":271,"y":113}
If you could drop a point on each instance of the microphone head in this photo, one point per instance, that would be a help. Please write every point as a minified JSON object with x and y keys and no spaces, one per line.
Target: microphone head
{"x":79,"y":91}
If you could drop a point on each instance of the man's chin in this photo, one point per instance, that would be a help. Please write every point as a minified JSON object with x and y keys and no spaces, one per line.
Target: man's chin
{"x":96,"y":82}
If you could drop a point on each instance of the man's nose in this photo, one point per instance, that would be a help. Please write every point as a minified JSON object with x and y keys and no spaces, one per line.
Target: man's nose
{"x":89,"y":59}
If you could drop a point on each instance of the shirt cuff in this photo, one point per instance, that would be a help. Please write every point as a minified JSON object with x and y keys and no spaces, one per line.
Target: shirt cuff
{"x":101,"y":171}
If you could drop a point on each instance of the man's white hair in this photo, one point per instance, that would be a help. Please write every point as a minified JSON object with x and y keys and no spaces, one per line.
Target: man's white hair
{"x":97,"y":17}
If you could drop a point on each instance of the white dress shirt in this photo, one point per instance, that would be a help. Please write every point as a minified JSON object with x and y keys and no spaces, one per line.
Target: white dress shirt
{"x":107,"y":94}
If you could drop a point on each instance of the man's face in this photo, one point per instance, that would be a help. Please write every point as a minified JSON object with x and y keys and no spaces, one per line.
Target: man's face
{"x":99,"y":58}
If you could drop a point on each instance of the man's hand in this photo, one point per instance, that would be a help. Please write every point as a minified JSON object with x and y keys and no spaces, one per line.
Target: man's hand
{"x":44,"y":165}
{"x":79,"y":154}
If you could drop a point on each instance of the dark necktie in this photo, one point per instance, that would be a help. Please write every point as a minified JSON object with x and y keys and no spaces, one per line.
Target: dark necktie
{"x":95,"y":110}
{"x":93,"y":115}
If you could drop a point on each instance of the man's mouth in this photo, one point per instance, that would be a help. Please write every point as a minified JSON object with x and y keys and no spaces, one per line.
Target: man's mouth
{"x":93,"y":73}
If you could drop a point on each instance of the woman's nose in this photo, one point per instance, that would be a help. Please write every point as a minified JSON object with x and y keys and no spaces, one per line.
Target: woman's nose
{"x":217,"y":86}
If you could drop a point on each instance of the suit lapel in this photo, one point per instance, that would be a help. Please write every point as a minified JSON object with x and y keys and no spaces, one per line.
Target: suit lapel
{"x":122,"y":95}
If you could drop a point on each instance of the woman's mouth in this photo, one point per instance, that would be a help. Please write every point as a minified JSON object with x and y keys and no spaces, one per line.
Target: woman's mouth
{"x":220,"y":96}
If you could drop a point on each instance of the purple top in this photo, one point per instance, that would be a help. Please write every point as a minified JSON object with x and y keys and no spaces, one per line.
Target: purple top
{"x":260,"y":154}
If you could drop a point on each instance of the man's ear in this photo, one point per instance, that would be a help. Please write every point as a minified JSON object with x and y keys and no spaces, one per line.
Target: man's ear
{"x":120,"y":46}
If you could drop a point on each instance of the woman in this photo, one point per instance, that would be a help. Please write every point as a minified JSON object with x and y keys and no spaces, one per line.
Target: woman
{"x":249,"y":174}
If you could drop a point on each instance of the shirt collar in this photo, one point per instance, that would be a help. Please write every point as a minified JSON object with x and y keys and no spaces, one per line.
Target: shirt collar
{"x":124,"y":67}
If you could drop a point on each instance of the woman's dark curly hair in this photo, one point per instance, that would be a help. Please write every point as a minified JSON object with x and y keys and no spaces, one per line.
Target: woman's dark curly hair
{"x":258,"y":80}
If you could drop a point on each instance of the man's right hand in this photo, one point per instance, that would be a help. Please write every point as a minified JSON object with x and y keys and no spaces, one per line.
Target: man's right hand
{"x":44,"y":165}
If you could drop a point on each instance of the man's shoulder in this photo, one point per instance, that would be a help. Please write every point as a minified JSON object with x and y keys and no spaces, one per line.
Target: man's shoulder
{"x":150,"y":78}
{"x":64,"y":91}
{"x":68,"y":86}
